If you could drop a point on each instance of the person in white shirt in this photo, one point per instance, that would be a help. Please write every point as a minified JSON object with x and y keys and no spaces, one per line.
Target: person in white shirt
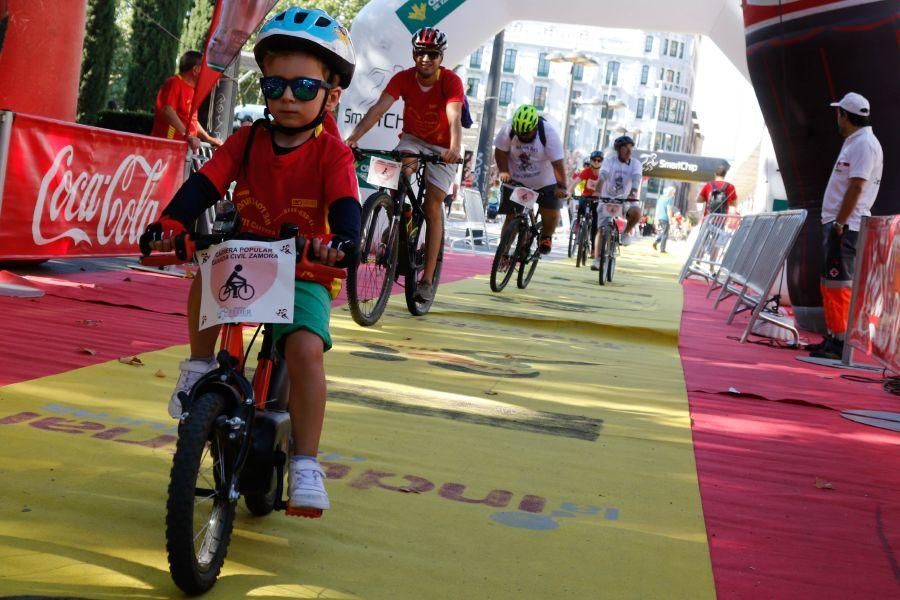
{"x":620,"y":179}
{"x":529,"y":151}
{"x":849,"y":196}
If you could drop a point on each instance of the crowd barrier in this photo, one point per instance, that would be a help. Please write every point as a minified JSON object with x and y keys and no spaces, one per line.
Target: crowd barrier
{"x":474,"y":225}
{"x":742,"y":257}
{"x":874,"y":321}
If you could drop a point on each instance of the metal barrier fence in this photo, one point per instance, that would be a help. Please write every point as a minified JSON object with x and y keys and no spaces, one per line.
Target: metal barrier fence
{"x":742,"y":257}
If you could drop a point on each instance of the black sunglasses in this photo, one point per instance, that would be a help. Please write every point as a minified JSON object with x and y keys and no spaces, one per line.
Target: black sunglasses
{"x":303,"y":88}
{"x":597,"y":160}
{"x":432,"y":54}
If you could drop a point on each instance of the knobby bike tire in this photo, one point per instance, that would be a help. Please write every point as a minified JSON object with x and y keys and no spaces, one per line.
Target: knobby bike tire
{"x":508,"y":247}
{"x":530,"y":257}
{"x":605,"y":235}
{"x":416,"y":266}
{"x":613,"y":252}
{"x":198,"y":429}
{"x":377,"y":261}
{"x":573,"y":235}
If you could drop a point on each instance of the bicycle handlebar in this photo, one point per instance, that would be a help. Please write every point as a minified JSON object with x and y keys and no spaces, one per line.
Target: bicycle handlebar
{"x":305,"y":269}
{"x":401,"y":154}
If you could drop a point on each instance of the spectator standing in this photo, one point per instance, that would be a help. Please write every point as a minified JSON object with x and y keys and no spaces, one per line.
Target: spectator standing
{"x":718,"y":196}
{"x":665,"y":210}
{"x":172,"y":119}
{"x":849,"y":196}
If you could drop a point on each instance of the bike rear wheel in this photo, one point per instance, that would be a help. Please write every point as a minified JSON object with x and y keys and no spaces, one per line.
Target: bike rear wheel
{"x":603,"y":251}
{"x":529,"y":256}
{"x":199,"y":510}
{"x":369,"y":283}
{"x":573,"y":237}
{"x":504,"y":263}
{"x":416,"y":266}
{"x":613,"y":253}
{"x":582,"y":249}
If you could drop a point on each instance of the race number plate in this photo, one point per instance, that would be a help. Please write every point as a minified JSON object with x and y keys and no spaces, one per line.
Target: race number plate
{"x":610,"y":209}
{"x":524,"y":197}
{"x":384,"y":173}
{"x":247,"y":282}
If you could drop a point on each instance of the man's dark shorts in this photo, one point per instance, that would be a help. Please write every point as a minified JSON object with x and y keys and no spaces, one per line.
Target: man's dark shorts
{"x":840,"y":253}
{"x":546,"y":199}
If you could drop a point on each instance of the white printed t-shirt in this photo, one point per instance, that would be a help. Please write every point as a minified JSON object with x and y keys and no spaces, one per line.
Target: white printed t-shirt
{"x":619,"y":177}
{"x":529,"y":164}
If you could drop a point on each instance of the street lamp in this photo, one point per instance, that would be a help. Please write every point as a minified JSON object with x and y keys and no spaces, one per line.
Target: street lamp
{"x":607,"y":106}
{"x":577,"y":58}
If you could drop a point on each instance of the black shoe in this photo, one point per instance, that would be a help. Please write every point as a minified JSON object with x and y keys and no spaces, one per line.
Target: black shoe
{"x":655,"y":244}
{"x":833,"y":350}
{"x":821,"y":345}
{"x":546,"y":244}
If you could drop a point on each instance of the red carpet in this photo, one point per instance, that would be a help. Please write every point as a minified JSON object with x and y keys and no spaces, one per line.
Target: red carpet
{"x":114,"y":314}
{"x":773,"y":532}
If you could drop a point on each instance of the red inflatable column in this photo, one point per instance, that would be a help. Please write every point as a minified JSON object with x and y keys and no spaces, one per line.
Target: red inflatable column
{"x":40,"y":56}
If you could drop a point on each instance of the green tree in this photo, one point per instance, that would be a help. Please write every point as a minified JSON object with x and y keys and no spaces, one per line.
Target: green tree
{"x":99,"y":43}
{"x":118,"y":77}
{"x":155,"y":36}
{"x":196,"y":26}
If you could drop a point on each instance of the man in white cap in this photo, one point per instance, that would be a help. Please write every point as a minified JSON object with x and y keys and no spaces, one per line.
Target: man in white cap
{"x":850,"y":194}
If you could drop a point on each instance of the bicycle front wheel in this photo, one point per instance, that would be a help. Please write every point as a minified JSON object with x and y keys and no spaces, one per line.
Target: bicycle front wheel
{"x":529,"y":257}
{"x":200,"y":511}
{"x":504,"y":264}
{"x":416,"y":247}
{"x":604,"y":251}
{"x":580,"y":245}
{"x":573,"y":237}
{"x":613,"y":253}
{"x":369,"y":283}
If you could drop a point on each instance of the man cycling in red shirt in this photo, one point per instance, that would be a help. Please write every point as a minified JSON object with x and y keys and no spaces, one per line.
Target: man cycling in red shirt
{"x":433,"y":97}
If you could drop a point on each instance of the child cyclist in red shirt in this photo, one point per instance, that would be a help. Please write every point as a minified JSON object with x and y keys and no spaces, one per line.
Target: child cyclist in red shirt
{"x":590,"y":175}
{"x":292,"y":172}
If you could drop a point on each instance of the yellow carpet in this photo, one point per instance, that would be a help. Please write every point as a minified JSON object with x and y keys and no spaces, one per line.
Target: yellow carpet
{"x":531,"y":444}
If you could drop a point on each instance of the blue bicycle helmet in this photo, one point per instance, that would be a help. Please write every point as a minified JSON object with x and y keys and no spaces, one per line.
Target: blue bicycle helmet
{"x":311,"y":30}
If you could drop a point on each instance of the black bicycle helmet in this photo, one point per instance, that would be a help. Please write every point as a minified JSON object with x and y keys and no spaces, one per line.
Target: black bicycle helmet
{"x":623,"y":141}
{"x":596,"y":154}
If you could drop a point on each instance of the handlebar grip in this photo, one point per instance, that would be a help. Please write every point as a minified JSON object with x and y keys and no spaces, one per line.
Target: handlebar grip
{"x":307,"y":268}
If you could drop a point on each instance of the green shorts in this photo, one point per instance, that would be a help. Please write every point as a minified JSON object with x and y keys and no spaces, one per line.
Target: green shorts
{"x":312,"y":311}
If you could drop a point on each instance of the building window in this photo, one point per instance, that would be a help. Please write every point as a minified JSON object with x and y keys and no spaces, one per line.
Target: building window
{"x":506,"y":89}
{"x":652,"y":113}
{"x":509,"y":60}
{"x":608,"y":113}
{"x":645,"y":74}
{"x":612,"y":73}
{"x":648,"y":44}
{"x":678,"y":78}
{"x":475,"y":59}
{"x":673,"y":48}
{"x":670,"y":75}
{"x":540,"y":97}
{"x":662,"y":73}
{"x":681,"y":51}
{"x":543,"y":65}
{"x":639,"y":111}
{"x":665,"y":47}
{"x":576,"y":94}
{"x":472,"y":87}
{"x":578,"y":72}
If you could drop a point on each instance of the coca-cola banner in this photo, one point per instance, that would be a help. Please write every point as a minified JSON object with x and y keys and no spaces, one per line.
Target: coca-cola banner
{"x":72,"y":190}
{"x":875,"y":322}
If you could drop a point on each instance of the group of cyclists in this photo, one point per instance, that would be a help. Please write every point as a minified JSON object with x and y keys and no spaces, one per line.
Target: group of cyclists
{"x":292,"y":168}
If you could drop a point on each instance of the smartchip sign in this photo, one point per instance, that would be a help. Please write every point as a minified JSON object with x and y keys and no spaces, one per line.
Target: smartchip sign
{"x":416,"y":14}
{"x":683,"y":167}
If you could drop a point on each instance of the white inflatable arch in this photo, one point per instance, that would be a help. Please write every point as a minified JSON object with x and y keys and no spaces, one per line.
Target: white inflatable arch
{"x":382,"y":30}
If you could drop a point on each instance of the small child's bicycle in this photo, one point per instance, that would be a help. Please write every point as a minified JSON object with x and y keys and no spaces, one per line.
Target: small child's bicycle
{"x":233,"y":439}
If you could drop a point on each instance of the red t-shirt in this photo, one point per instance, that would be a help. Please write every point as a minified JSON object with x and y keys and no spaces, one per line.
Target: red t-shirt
{"x":175,"y":92}
{"x":330,"y":124}
{"x":297,"y":187}
{"x":730,"y":190}
{"x":590,"y":181}
{"x":425,"y":112}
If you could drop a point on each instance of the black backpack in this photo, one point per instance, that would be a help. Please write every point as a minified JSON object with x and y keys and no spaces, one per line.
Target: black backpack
{"x":466,"y":115}
{"x":718,"y":198}
{"x":541,"y":133}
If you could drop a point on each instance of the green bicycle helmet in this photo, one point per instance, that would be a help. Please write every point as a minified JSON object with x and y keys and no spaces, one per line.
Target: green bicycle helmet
{"x":525,"y":119}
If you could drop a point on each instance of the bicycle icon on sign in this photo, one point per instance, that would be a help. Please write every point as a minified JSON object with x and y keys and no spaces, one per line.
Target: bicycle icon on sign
{"x":236,"y":287}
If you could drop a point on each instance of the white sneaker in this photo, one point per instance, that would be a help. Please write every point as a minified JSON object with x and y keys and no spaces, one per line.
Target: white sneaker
{"x":595,"y":265}
{"x":307,"y":497}
{"x":191,"y":371}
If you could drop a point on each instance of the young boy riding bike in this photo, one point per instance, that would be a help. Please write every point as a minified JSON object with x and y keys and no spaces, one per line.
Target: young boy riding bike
{"x":288,"y":171}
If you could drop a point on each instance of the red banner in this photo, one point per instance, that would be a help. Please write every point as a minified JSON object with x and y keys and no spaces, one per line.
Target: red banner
{"x":232,"y":23}
{"x":875,"y":322}
{"x":73,"y":190}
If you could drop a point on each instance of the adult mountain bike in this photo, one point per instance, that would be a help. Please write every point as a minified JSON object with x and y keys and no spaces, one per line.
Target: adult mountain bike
{"x":584,"y":241}
{"x":234,"y":438}
{"x":392,"y":242}
{"x":608,"y":210}
{"x":519,"y":242}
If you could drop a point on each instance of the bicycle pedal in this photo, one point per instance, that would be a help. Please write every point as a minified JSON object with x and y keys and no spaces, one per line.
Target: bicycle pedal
{"x":305,"y":512}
